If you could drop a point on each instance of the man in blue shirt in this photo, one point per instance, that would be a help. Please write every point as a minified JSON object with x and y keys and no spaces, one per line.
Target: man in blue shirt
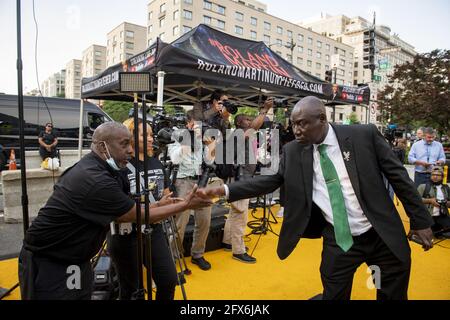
{"x":424,"y":154}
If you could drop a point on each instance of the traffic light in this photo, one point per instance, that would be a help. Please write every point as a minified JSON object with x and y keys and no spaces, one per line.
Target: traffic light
{"x":369,"y":49}
{"x":329,"y":75}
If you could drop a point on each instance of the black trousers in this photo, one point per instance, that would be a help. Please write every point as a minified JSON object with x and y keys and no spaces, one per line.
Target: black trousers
{"x":42,"y":278}
{"x":123,"y":251}
{"x":338,"y":267}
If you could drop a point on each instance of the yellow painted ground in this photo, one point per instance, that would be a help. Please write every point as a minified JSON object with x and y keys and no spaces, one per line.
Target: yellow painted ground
{"x":296,"y":278}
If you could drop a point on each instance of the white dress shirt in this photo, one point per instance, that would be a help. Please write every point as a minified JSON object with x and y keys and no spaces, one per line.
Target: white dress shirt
{"x":439,"y":196}
{"x":357,"y":220}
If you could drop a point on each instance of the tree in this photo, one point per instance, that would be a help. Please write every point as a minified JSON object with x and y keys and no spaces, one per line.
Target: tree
{"x":419,"y":93}
{"x":353,"y":118}
{"x":118,"y":111}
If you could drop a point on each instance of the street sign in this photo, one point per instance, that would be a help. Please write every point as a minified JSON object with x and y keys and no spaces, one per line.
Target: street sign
{"x":373,"y":112}
{"x":376,"y":78}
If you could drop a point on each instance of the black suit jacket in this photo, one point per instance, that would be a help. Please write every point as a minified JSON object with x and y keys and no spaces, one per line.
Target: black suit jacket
{"x":370,"y":158}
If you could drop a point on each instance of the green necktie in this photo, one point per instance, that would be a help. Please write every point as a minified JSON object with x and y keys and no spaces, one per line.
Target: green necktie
{"x":341,"y":227}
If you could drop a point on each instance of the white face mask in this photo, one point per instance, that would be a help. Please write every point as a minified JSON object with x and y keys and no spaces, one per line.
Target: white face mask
{"x":110,"y":161}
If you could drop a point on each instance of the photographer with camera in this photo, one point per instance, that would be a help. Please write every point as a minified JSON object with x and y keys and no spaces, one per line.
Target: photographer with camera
{"x":188,"y":153}
{"x":436,"y":197}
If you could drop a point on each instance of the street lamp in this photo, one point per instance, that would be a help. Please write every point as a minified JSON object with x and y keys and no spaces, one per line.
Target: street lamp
{"x":291,"y":45}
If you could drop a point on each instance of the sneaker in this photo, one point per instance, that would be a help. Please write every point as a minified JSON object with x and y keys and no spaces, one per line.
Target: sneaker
{"x":202,"y":263}
{"x":280,"y":212}
{"x":229,"y":247}
{"x":244,"y":257}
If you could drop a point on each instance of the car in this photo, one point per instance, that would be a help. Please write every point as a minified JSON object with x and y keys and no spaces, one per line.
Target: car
{"x":63,"y":113}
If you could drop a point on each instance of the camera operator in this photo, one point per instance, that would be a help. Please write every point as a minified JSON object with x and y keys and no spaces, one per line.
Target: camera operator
{"x":234,"y":230}
{"x":215,"y":113}
{"x":189,"y":156}
{"x":436,"y":196}
{"x":122,"y":245}
{"x":54,"y":262}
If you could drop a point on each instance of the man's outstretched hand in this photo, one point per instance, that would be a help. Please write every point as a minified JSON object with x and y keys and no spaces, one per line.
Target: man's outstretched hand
{"x":211,"y":192}
{"x":424,"y":237}
{"x":194,"y":201}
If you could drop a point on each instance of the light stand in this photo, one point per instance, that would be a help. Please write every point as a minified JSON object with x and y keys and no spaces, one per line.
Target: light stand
{"x":23,"y":175}
{"x":140,"y":82}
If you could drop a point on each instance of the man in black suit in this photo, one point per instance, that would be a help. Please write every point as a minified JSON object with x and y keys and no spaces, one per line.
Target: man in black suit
{"x":333,"y":179}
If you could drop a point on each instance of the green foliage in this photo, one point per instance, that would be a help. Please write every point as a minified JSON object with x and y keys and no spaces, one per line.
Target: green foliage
{"x":353,"y":118}
{"x":419,"y":93}
{"x":117,"y":110}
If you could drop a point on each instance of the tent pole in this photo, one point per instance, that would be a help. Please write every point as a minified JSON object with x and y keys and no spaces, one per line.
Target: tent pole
{"x":160,"y":96}
{"x":80,"y":130}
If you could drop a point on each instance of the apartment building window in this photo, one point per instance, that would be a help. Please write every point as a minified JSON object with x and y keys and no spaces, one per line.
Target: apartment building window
{"x":343,"y":53}
{"x":267,"y":39}
{"x":350,"y":74}
{"x":129,"y":45}
{"x":327,"y":67}
{"x":98,"y":62}
{"x":128,"y":55}
{"x":319,"y":44}
{"x":239,"y":16}
{"x":107,"y":43}
{"x":300,"y":49}
{"x":356,"y":64}
{"x":341,"y":116}
{"x":149,"y":42}
{"x":310,"y":41}
{"x":121,"y":34}
{"x":187,"y":14}
{"x":220,"y":24}
{"x":129,"y":34}
{"x":186,"y":29}
{"x":289,"y":58}
{"x":188,"y":1}
{"x":350,"y":55}
{"x":150,"y":28}
{"x":161,"y":22}
{"x":289,"y":34}
{"x":253,"y":35}
{"x":206,"y":20}
{"x":327,"y":47}
{"x":279,"y":42}
{"x":162,"y":8}
{"x":239,"y":30}
{"x":162,"y":35}
{"x":309,"y":63}
{"x":318,"y":75}
{"x":299,"y":61}
{"x":267,"y":26}
{"x":327,"y":57}
{"x":176,"y":30}
{"x":150,"y":15}
{"x":310,"y":52}
{"x":253,"y":21}
{"x":336,"y":50}
{"x":350,"y":64}
{"x":300,"y":38}
{"x":318,"y":55}
{"x":176,"y":15}
{"x":354,"y":109}
{"x":340,"y":72}
{"x":221,"y":9}
{"x":98,"y":53}
{"x":318,"y":65}
{"x":279,"y":30}
{"x":207,"y":5}
{"x":342,"y":62}
{"x":114,"y":39}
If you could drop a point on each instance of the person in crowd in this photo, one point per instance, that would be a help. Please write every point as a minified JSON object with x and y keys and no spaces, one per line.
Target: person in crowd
{"x":424,"y":154}
{"x":47,"y":142}
{"x":436,"y":196}
{"x":122,"y":245}
{"x":332,"y":177}
{"x":55,"y":260}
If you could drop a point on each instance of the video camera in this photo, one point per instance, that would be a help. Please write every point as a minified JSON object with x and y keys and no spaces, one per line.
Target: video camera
{"x":392,"y":132}
{"x":230,"y":106}
{"x":443,"y":210}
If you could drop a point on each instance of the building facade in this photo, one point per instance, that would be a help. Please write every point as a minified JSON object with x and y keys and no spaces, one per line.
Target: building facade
{"x":73,"y":79}
{"x":124,"y":41}
{"x":54,"y":86}
{"x":93,"y":60}
{"x":390,"y":51}
{"x":306,"y":49}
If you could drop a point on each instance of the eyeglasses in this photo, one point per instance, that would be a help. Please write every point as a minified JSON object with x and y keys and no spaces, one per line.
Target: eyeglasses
{"x":49,"y":126}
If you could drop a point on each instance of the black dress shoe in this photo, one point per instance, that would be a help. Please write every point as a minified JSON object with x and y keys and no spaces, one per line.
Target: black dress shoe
{"x":244,"y":257}
{"x":202,"y":263}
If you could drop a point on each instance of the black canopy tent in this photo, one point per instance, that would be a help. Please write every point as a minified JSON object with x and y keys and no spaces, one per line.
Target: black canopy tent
{"x":205,"y":59}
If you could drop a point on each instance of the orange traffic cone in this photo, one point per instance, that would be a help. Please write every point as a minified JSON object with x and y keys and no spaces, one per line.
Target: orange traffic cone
{"x":12,"y":160}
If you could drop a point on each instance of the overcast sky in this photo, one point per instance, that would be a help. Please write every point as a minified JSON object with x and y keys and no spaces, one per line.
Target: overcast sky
{"x":66,"y":28}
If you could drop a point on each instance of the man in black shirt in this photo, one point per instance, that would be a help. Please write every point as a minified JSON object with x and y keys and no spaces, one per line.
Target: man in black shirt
{"x":70,"y":229}
{"x":47,"y":142}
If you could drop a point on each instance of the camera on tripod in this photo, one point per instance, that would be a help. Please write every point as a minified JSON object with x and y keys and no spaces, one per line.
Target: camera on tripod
{"x":279,"y":103}
{"x":443,"y":209}
{"x":230,"y":106}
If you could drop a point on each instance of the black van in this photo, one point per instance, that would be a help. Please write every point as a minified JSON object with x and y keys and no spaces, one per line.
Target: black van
{"x":65,"y":114}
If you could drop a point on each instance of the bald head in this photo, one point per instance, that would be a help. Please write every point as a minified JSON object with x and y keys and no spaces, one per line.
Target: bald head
{"x":309,"y":120}
{"x":108,"y":132}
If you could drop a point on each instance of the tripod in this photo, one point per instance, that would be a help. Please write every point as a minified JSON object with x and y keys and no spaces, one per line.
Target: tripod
{"x":263,"y":225}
